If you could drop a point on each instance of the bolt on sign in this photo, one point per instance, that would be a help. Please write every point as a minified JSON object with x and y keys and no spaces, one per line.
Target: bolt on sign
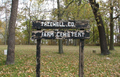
{"x":53,"y":29}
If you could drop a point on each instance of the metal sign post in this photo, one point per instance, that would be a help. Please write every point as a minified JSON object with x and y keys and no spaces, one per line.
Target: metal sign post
{"x":79,"y":32}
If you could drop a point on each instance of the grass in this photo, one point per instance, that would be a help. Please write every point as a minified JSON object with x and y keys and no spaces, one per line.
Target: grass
{"x":56,"y":65}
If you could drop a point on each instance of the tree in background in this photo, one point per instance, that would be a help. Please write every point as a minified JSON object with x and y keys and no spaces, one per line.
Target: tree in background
{"x":5,"y":10}
{"x":11,"y":36}
{"x":30,"y":11}
{"x":103,"y":42}
{"x":59,"y":18}
{"x":114,"y":9}
{"x":110,"y":10}
{"x":60,"y":12}
{"x":2,"y":32}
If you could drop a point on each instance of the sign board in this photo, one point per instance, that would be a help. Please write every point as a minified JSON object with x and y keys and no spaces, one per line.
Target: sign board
{"x":60,"y":34}
{"x":53,"y":24}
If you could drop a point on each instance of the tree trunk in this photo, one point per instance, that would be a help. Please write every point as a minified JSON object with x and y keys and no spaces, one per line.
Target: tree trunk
{"x":11,"y":36}
{"x":59,"y":18}
{"x":119,"y":23}
{"x":60,"y":46}
{"x":74,"y":42}
{"x":93,"y":34}
{"x":6,"y":29}
{"x":107,"y":36}
{"x":29,"y":30}
{"x":103,"y":42}
{"x":111,"y":28}
{"x":67,"y":42}
{"x":118,"y":38}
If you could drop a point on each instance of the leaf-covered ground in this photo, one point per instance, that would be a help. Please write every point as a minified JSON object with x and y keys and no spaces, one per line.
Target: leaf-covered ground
{"x":64,"y":65}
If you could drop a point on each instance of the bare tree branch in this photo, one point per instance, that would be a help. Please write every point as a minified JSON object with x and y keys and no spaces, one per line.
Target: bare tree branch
{"x":117,"y":16}
{"x":79,"y":3}
{"x":67,"y":7}
{"x":1,"y":8}
{"x":80,"y":9}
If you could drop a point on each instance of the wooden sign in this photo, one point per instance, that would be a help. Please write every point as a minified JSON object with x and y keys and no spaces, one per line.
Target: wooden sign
{"x":79,"y":33}
{"x":60,"y":34}
{"x":54,"y":24}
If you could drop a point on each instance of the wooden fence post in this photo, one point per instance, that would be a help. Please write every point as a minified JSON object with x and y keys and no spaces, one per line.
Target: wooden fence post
{"x":38,"y":57}
{"x":81,"y":58}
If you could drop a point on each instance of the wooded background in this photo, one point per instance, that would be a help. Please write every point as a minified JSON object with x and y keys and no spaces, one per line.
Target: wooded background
{"x":32,"y":10}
